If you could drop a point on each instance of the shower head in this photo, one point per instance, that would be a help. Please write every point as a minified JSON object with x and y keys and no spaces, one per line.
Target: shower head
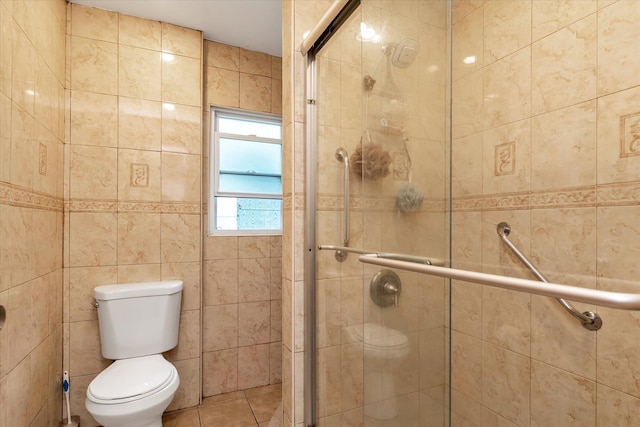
{"x":405,"y":53}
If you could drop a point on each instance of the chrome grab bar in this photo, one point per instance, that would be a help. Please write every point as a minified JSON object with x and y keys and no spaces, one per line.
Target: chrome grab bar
{"x":341,"y":155}
{"x":619,"y":300}
{"x":589,"y":319}
{"x":385,"y":255}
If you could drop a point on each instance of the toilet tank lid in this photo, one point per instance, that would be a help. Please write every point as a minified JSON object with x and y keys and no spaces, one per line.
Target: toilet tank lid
{"x":135,"y":290}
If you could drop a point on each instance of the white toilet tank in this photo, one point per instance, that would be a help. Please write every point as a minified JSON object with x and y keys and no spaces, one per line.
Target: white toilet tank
{"x":138,"y":319}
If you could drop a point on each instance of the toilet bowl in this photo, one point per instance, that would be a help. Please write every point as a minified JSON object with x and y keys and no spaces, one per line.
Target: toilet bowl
{"x":138,"y":321}
{"x":384,"y":349}
{"x":133,"y":392}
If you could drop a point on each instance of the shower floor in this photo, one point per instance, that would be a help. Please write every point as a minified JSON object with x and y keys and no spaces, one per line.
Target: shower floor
{"x":255,"y":407}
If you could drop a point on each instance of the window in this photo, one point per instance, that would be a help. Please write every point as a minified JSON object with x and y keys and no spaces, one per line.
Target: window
{"x":246,"y":173}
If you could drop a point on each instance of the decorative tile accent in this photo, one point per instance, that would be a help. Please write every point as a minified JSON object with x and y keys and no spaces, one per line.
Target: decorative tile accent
{"x":507,"y":202}
{"x":95,"y":206}
{"x":139,"y":176}
{"x":14,"y":195}
{"x":86,"y":205}
{"x":505,"y":159}
{"x":42,"y":160}
{"x":630,"y":135}
{"x":624,"y":194}
{"x":568,"y":197}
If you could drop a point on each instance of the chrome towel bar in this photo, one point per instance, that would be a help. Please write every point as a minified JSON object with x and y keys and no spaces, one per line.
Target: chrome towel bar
{"x":623,"y":301}
{"x":589,"y":319}
{"x":385,"y":255}
{"x":343,"y":156}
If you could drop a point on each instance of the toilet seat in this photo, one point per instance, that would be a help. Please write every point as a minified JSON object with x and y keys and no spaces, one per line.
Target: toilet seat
{"x":127,"y":380}
{"x":378,"y":337}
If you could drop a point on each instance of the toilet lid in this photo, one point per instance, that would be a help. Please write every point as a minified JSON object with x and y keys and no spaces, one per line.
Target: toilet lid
{"x":131,"y":378}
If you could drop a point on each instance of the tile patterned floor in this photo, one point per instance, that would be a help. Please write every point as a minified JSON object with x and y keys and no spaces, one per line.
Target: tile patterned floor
{"x":249,"y":408}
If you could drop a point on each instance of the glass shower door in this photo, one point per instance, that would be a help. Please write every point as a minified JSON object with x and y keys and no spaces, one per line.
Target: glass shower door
{"x":382,"y":341}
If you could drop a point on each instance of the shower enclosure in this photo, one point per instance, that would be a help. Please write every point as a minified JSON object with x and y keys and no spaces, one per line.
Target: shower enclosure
{"x":496,"y":137}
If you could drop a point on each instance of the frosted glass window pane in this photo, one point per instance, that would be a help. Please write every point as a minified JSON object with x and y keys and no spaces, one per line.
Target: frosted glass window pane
{"x":248,"y":127}
{"x":250,"y":157}
{"x":231,"y":183}
{"x":251,"y":214}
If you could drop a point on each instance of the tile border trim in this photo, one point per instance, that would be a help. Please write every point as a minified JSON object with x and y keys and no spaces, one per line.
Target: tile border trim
{"x":15,"y":195}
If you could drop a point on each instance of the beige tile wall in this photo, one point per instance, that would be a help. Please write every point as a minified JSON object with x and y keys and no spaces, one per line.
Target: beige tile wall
{"x":32,"y":111}
{"x":132,"y":179}
{"x":545,"y":127}
{"x":242,"y":276}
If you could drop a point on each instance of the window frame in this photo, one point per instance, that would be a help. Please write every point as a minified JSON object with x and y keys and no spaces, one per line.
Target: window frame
{"x":214,"y":168}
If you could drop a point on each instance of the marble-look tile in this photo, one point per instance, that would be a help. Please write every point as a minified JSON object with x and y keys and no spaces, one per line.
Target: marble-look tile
{"x":275,"y":362}
{"x":221,"y":55}
{"x":6,"y":51}
{"x":461,"y":8}
{"x":467,"y":94}
{"x":507,"y":89}
{"x":23,"y":150}
{"x":467,"y":166}
{"x":39,"y":369}
{"x":466,"y":365}
{"x":265,"y":405}
{"x":506,"y":383}
{"x":187,"y":418}
{"x":188,"y":393}
{"x":94,"y":23}
{"x":17,"y":394}
{"x":139,"y":74}
{"x":232,"y":413}
{"x":181,"y":129}
{"x":180,"y":238}
{"x":616,"y":408}
{"x":93,"y":173}
{"x":276,"y":278}
{"x":220,"y":372}
{"x":507,"y":28}
{"x":254,"y":246}
{"x":82,"y":281}
{"x":188,"y":337}
{"x":617,"y":248}
{"x":506,"y":158}
{"x":276,"y":321}
{"x":254,"y":279}
{"x":616,"y":28}
{"x":139,"y":273}
{"x":257,"y":63}
{"x":189,"y":273}
{"x":220,"y":247}
{"x":558,"y":397}
{"x":94,"y":119}
{"x":139,"y":32}
{"x":220,"y":327}
{"x":253,"y":366}
{"x":276,"y":96}
{"x":85,"y":349}
{"x":255,"y":93}
{"x":93,"y":240}
{"x":181,"y":40}
{"x":181,"y":177}
{"x":181,"y":77}
{"x":94,"y":66}
{"x":563,"y":67}
{"x":224,"y":397}
{"x":220,"y":282}
{"x":618,"y":149}
{"x":562,"y":137}
{"x":139,"y":175}
{"x":505,"y":319}
{"x":222,"y":87}
{"x":549,"y":16}
{"x":254,"y":323}
{"x":138,"y":238}
{"x":139,"y":124}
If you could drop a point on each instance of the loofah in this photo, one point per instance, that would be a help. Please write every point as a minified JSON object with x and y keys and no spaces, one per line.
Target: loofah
{"x":371,"y":161}
{"x":409,"y":198}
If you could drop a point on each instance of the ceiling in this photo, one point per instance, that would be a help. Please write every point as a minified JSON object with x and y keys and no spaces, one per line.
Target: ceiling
{"x":250,"y":24}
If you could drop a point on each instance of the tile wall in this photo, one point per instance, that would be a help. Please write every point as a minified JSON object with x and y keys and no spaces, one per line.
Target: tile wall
{"x":545,"y":128}
{"x":132,"y":179}
{"x":242,"y":276}
{"x":32,"y":111}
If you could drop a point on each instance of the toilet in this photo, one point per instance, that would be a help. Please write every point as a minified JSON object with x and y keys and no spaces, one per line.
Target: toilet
{"x":138,"y":322}
{"x":385,"y":349}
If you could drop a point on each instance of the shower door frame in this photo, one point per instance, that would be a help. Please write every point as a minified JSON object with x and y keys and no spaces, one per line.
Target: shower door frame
{"x":337,"y":14}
